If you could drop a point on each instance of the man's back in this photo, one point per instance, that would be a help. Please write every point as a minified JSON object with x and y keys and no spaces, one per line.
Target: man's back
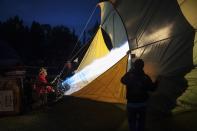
{"x":138,"y":85}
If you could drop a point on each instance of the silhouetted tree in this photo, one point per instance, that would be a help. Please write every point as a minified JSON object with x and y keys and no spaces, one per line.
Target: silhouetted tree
{"x":39,"y":44}
{"x":14,"y":32}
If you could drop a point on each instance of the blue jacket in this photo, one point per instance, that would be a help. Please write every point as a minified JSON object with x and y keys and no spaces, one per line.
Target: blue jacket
{"x":138,"y":84}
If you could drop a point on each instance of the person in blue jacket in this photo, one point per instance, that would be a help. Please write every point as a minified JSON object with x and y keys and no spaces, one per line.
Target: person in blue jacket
{"x":138,"y":84}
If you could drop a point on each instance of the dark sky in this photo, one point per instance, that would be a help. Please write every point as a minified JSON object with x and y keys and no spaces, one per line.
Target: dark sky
{"x":72,"y":13}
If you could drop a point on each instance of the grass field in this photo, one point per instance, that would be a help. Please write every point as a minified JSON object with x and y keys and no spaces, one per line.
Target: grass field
{"x":69,"y":114}
{"x":75,"y":114}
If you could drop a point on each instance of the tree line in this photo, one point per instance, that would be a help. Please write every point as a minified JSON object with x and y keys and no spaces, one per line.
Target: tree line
{"x":40,"y":44}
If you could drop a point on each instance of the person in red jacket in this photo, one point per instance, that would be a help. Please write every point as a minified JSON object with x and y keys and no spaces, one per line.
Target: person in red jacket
{"x":43,"y":88}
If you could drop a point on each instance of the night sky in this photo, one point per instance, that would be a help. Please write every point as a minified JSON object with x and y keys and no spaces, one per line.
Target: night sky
{"x":71,"y":13}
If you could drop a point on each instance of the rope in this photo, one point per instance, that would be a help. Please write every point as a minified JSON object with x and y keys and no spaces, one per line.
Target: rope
{"x":157,"y":42}
{"x":82,"y":32}
{"x":182,"y":2}
{"x":71,"y":58}
{"x":81,"y":49}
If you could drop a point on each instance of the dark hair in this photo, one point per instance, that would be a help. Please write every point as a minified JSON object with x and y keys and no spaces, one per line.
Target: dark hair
{"x":139,"y":64}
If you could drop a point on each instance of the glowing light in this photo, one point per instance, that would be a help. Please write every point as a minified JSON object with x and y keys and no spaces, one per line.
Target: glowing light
{"x":158,"y":34}
{"x":96,"y":68}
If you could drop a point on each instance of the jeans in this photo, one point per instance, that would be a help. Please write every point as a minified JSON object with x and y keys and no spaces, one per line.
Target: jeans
{"x":136,"y":118}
